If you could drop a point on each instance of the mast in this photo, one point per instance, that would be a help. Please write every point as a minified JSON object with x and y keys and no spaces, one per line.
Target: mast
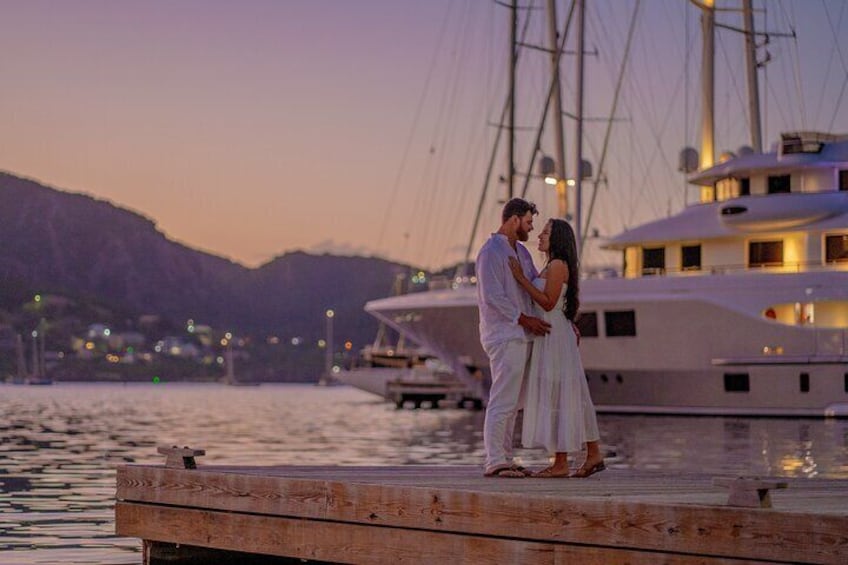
{"x":751,"y":68}
{"x":21,"y":359}
{"x":707,"y":81}
{"x":513,"y":24}
{"x":578,"y":137}
{"x":559,"y":169}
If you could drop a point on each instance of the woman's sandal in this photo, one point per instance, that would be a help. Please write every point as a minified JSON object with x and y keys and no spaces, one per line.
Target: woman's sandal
{"x":549,"y":473}
{"x":585,"y":471}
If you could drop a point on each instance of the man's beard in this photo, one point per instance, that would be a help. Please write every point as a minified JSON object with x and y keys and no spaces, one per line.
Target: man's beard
{"x":522,"y":235}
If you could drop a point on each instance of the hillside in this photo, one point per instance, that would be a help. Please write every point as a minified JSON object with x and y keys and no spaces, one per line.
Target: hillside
{"x":76,"y":245}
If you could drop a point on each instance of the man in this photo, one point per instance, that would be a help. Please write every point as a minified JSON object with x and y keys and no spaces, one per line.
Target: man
{"x":505,"y":331}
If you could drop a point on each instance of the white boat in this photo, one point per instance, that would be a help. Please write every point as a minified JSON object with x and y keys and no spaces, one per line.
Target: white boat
{"x":736,"y":305}
{"x":397,"y":371}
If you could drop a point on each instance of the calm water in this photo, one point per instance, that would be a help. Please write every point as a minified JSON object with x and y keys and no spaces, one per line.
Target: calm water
{"x":60,"y":445}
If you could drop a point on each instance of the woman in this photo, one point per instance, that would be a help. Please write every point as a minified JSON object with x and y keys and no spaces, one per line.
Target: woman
{"x":558,"y":414}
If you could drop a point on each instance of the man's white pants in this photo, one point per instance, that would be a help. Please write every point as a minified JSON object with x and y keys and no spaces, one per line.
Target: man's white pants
{"x":508,"y":362}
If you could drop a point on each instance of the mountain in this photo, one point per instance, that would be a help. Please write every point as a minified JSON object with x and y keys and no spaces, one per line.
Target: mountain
{"x":56,"y":241}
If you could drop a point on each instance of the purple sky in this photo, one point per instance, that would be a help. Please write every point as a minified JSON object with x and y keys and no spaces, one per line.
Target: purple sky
{"x":252,"y":128}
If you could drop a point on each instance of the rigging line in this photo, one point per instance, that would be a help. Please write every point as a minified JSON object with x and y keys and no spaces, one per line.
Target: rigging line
{"x":799,"y":89}
{"x":829,"y":60}
{"x":551,"y":90}
{"x":459,"y":210}
{"x":841,"y":60}
{"x":605,"y":147}
{"x":447,"y":115}
{"x":415,"y":120}
{"x":492,"y":160}
{"x":664,"y":117}
{"x":777,"y":100}
{"x":657,"y":135}
{"x":739,"y":95}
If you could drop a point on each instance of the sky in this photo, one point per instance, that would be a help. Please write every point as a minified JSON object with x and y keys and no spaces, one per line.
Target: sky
{"x":253,"y":128}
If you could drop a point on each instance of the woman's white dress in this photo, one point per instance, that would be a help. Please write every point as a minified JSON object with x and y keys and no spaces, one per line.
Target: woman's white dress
{"x":558,"y":413}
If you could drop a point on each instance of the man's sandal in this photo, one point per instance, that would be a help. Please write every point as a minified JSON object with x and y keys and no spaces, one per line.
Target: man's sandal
{"x":505,"y":473}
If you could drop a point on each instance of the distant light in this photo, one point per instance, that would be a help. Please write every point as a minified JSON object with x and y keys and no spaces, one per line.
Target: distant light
{"x":571,"y":182}
{"x":273,"y":340}
{"x":190,"y":328}
{"x":219,"y":360}
{"x":551,"y":181}
{"x":348,"y":345}
{"x":330,"y":313}
{"x":224,"y":341}
{"x":228,"y":335}
{"x":107,"y":332}
{"x":322,"y":343}
{"x":130,"y":349}
{"x":296,"y":341}
{"x":37,"y":298}
{"x":155,"y":380}
{"x":90,"y":345}
{"x":336,"y":369}
{"x":34,"y":333}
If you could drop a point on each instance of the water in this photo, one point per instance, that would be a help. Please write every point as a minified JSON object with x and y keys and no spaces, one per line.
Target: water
{"x":60,"y":445}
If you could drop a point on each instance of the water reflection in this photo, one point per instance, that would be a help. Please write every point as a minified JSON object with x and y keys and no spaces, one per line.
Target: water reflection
{"x":60,"y":445}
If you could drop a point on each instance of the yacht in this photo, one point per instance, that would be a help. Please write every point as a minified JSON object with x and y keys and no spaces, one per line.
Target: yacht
{"x":738,"y":304}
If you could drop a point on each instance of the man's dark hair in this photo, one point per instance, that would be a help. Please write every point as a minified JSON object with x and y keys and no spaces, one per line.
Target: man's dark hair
{"x":517,"y":207}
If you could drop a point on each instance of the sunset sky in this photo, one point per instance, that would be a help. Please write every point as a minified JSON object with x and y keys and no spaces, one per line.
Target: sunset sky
{"x":248,"y":129}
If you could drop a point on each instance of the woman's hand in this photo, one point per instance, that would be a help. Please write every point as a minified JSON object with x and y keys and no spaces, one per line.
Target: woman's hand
{"x":516,"y":269}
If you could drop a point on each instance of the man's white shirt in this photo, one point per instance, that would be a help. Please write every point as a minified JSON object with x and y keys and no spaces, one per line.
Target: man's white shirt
{"x":499,"y":296}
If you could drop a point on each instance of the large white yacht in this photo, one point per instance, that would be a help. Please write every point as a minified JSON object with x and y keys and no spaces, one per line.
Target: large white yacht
{"x":736,"y":305}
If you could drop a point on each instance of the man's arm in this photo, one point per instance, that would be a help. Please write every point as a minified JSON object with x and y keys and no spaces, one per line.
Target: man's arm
{"x":490,"y":279}
{"x":536,"y":326}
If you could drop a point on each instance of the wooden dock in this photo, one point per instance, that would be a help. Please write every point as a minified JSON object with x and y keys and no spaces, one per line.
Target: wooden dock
{"x":446,"y":514}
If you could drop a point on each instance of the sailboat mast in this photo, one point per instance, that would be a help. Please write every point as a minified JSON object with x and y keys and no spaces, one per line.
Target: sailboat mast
{"x":578,"y":137}
{"x":562,"y":199}
{"x":513,"y":25}
{"x":751,"y":68}
{"x":707,"y":80}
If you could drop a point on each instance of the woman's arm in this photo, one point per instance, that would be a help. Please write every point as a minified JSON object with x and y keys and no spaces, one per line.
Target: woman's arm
{"x":556,"y":277}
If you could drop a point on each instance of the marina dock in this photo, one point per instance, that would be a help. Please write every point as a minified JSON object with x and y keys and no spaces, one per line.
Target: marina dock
{"x":452,"y":514}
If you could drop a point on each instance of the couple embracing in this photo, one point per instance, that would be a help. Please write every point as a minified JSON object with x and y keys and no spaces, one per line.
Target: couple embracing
{"x":527,"y":330}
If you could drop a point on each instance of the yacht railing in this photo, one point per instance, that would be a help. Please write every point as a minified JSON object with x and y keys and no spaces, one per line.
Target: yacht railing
{"x":708,"y":270}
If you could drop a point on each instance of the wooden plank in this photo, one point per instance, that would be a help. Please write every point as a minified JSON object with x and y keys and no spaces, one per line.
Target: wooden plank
{"x":455,"y":505}
{"x":354,"y":543}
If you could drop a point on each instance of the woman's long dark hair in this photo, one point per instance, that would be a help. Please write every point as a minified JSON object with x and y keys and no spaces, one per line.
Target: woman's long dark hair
{"x":563,"y":246}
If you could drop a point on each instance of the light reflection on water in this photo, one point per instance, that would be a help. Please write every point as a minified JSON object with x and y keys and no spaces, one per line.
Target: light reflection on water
{"x":60,"y":444}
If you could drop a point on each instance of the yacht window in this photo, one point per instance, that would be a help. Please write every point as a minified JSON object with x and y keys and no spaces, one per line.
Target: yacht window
{"x":690,"y":258}
{"x":587,"y":323}
{"x":836,"y":248}
{"x":620,"y":323}
{"x":843,"y":180}
{"x":765,"y":253}
{"x":653,"y":260}
{"x":736,"y":382}
{"x":778,"y":184}
{"x":744,"y":186}
{"x":804,"y":382}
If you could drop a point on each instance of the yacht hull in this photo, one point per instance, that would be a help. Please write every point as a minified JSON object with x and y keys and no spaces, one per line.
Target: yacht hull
{"x":699,"y":345}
